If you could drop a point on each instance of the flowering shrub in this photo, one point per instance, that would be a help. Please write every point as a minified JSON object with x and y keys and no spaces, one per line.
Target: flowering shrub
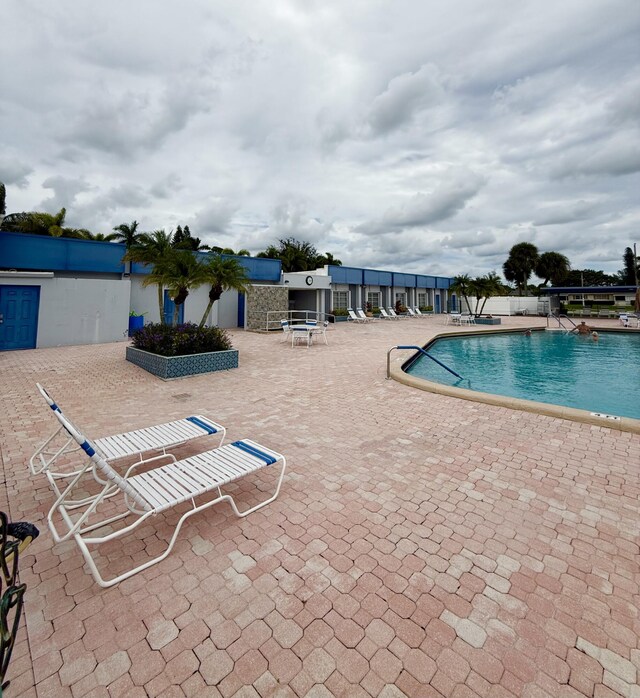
{"x":180,"y":340}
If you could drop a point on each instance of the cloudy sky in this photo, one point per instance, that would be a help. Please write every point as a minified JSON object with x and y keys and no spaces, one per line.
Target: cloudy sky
{"x":415,"y":135}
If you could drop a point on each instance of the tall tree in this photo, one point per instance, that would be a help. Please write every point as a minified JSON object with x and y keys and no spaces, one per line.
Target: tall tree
{"x":520,"y":264}
{"x":151,"y":248}
{"x":127,"y":233}
{"x":590,"y":277}
{"x":552,"y":266}
{"x":631,"y":271}
{"x":3,"y":199}
{"x":183,"y":240}
{"x":223,"y":275}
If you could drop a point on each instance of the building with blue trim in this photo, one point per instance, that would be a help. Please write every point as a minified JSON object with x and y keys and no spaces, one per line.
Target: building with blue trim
{"x":65,"y":291}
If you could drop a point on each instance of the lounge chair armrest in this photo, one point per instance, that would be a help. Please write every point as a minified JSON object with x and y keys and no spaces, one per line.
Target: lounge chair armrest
{"x":144,"y":461}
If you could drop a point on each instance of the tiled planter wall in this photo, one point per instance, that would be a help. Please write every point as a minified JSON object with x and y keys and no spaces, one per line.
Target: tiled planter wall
{"x":167,"y":367}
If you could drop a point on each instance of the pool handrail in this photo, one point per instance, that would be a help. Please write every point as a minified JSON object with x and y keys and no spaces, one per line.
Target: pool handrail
{"x":422,"y":351}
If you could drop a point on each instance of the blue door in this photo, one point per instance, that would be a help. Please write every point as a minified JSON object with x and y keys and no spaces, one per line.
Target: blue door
{"x":169,"y":308}
{"x":454,"y":304}
{"x":240,"y":309}
{"x":18,"y":317}
{"x":437,"y":308}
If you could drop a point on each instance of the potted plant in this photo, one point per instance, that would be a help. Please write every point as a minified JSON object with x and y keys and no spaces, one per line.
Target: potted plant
{"x":136,"y":322}
{"x":182,"y":350}
{"x":340,"y":315}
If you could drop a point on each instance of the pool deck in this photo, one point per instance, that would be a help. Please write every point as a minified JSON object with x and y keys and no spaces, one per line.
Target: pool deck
{"x":421,"y":545}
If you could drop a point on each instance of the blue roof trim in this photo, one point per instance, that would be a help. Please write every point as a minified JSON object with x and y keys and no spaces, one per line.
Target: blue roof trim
{"x":43,"y":253}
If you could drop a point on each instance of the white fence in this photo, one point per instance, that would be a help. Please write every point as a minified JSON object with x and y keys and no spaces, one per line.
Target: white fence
{"x":509,"y":305}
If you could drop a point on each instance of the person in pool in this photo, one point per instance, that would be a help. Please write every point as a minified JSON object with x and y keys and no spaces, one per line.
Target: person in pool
{"x":583,"y":328}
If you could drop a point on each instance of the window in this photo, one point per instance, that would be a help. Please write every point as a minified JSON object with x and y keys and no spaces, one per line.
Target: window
{"x":373,"y":299}
{"x":402,"y":297}
{"x":422,"y":300}
{"x":340,"y":300}
{"x":621,"y":298}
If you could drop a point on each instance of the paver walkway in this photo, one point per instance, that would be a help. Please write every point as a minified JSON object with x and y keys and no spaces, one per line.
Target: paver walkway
{"x":421,"y":545}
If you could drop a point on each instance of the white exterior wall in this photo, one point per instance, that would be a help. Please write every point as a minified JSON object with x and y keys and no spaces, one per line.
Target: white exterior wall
{"x":79,"y":311}
{"x":224,"y":312}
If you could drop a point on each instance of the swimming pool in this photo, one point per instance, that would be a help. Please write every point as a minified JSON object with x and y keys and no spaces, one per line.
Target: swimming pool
{"x":548,"y":367}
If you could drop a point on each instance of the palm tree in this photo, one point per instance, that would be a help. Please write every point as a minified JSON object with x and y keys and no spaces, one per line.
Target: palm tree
{"x":101,"y":237}
{"x":127,"y":233}
{"x":552,"y":266}
{"x":223,"y":275}
{"x":461,"y":286}
{"x":294,"y":255}
{"x":491,"y":286}
{"x":521,"y":262}
{"x":38,"y":223}
{"x":228,"y":250}
{"x":179,"y":271}
{"x":151,"y":248}
{"x":326,"y":259}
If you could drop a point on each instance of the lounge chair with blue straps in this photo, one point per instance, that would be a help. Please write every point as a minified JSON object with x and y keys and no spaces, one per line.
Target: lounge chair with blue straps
{"x":113,"y":448}
{"x":152,"y":492}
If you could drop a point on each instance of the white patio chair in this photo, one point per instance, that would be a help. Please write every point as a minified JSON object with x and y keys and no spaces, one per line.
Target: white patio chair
{"x":320,"y":331}
{"x":153,"y":492}
{"x":361,"y":314}
{"x":411,"y":312}
{"x":286,"y":329}
{"x":384,"y":315}
{"x":353,"y":316}
{"x":394,"y":315}
{"x":112,"y":448}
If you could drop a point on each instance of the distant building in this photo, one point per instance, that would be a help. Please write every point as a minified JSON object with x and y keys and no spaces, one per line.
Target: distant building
{"x":65,"y":291}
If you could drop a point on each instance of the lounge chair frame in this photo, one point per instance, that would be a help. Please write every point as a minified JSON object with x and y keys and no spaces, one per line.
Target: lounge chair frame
{"x":153,"y":492}
{"x":113,"y":448}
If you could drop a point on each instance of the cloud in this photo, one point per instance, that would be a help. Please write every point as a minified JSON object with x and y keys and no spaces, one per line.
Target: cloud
{"x":449,"y":197}
{"x":424,"y":140}
{"x":405,"y":96}
{"x":13,"y":172}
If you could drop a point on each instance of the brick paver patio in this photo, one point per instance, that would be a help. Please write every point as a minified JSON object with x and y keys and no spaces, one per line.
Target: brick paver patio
{"x":421,"y":545}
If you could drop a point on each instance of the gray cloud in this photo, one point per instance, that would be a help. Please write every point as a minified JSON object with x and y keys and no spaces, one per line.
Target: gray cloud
{"x":449,"y":197}
{"x":14,"y":172}
{"x":430,"y":139}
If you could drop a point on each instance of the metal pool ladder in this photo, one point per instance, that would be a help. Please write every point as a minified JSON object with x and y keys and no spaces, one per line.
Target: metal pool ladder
{"x":422,"y":351}
{"x":560,"y":323}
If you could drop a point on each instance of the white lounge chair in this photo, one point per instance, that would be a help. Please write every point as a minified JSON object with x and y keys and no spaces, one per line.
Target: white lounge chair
{"x":361,"y":314}
{"x":353,"y":316}
{"x":385,"y":315}
{"x":113,"y":448}
{"x":411,"y":312}
{"x":419,"y":312}
{"x":153,"y":492}
{"x":394,"y":315}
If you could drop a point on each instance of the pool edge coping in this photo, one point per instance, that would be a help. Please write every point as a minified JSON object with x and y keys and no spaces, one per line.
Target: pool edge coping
{"x":396,"y":371}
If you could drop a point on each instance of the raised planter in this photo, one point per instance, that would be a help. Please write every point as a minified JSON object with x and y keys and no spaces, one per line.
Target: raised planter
{"x":488,"y":321}
{"x":167,"y":367}
{"x":339,"y":318}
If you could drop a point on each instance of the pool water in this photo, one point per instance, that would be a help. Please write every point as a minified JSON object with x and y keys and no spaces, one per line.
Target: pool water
{"x":552,"y":367}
